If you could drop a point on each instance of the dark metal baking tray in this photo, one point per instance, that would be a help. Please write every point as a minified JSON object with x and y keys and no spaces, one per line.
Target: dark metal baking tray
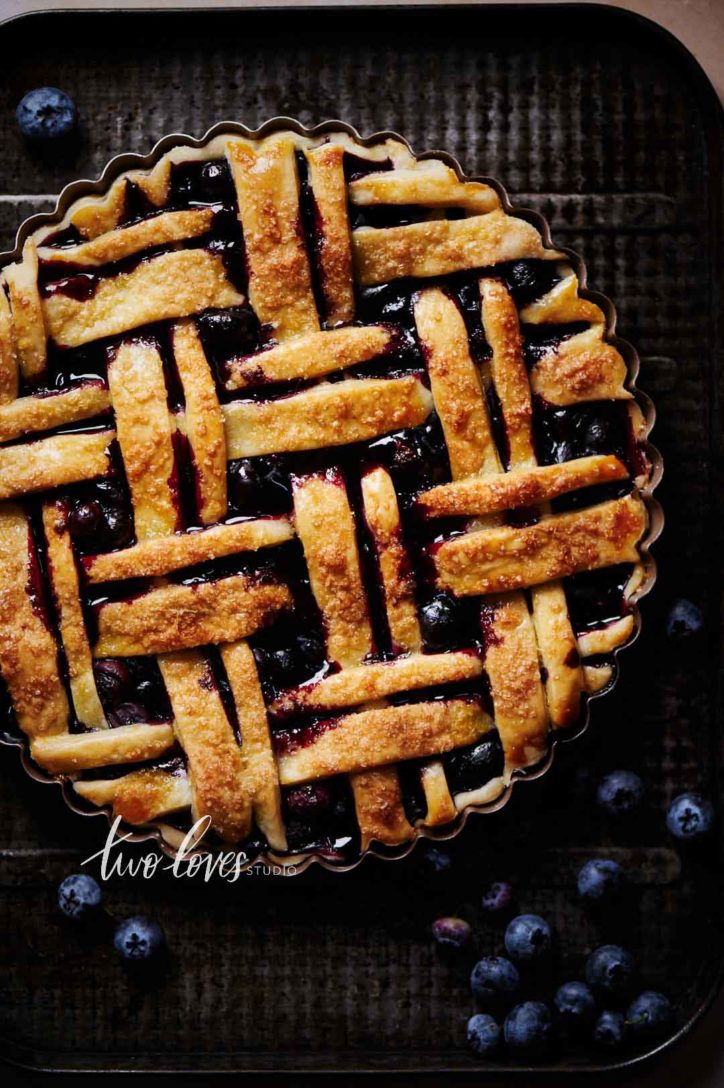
{"x":606,"y":125}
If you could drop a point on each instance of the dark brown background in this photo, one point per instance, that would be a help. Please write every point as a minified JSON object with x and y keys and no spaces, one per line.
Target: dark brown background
{"x":607,"y":128}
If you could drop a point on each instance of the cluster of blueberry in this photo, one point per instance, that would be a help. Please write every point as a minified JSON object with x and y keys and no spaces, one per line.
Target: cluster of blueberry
{"x":598,"y":1009}
{"x":138,"y":941}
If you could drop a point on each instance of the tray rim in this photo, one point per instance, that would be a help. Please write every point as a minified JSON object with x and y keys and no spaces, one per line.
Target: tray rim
{"x":709,"y":103}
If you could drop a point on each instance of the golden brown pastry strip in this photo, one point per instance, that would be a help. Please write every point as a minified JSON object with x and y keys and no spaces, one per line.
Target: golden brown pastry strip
{"x":327,"y":415}
{"x":437,"y":247}
{"x":28,"y":651}
{"x":42,"y":413}
{"x":53,"y":462}
{"x":123,"y":242}
{"x":140,"y":796}
{"x":175,"y":617}
{"x":431,"y":184}
{"x":28,"y":323}
{"x":70,"y":752}
{"x":373,"y":738}
{"x":216,"y":769}
{"x":267,"y":190}
{"x":479,"y":495}
{"x":162,"y":555}
{"x":309,"y":356}
{"x":582,"y":368}
{"x":508,"y":557}
{"x":333,"y":248}
{"x":171,"y":285}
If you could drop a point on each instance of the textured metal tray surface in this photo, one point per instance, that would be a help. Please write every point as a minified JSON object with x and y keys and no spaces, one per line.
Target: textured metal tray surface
{"x":607,"y":127}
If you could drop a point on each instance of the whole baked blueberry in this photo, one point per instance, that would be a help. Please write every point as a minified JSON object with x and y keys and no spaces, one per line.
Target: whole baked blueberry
{"x":610,"y":969}
{"x":484,"y":1034}
{"x":451,"y":933}
{"x":650,"y":1015}
{"x":684,"y":620}
{"x":527,"y":937}
{"x":528,"y":1029}
{"x":139,"y":940}
{"x":471,"y":767}
{"x":575,"y":1007}
{"x":46,"y":113}
{"x":79,"y":897}
{"x":620,"y":793}
{"x":113,"y":678}
{"x":690,"y":816}
{"x":128,"y":713}
{"x":494,"y":981}
{"x":310,"y":801}
{"x":440,"y":621}
{"x":498,"y":896}
{"x":609,"y":1030}
{"x":601,"y":880}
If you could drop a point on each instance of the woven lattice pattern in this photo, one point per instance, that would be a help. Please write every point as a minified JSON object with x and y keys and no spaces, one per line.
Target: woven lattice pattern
{"x":334,"y":390}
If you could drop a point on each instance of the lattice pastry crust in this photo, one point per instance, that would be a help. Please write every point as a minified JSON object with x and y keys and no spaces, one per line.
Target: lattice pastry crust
{"x":340,"y":397}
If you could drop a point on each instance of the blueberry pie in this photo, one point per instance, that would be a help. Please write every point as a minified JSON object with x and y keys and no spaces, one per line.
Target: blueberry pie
{"x":323,"y":494}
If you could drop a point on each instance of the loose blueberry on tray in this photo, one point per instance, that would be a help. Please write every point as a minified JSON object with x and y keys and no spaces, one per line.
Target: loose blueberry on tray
{"x":601,"y":880}
{"x":684,"y":620}
{"x":484,"y":1034}
{"x":79,"y":897}
{"x":494,"y":981}
{"x":139,"y":940}
{"x":528,"y":937}
{"x":650,"y":1015}
{"x":620,"y":793}
{"x":575,"y":1006}
{"x":46,"y":113}
{"x":609,"y":1030}
{"x":451,"y":933}
{"x":528,"y":1029}
{"x":609,"y":969}
{"x":498,"y":896}
{"x":690,"y":816}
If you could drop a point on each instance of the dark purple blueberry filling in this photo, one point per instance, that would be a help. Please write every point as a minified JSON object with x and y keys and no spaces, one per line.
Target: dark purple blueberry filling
{"x":385,"y":215}
{"x":137,"y":205}
{"x":131,"y":690}
{"x":196,"y":182}
{"x":99,"y":518}
{"x":529,"y":280}
{"x":470,"y":768}
{"x":540,"y":339}
{"x":355,"y":166}
{"x":60,"y":239}
{"x":286,"y":660}
{"x":563,"y":434}
{"x":320,"y":817}
{"x":596,"y":597}
{"x":259,"y":485}
{"x":228,"y":333}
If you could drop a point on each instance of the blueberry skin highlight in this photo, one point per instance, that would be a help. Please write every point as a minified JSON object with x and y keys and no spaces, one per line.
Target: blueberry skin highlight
{"x":650,"y":1015}
{"x":527,"y":938}
{"x":528,"y":1029}
{"x":484,"y":1034}
{"x":620,"y":793}
{"x":139,"y":940}
{"x":610,"y":969}
{"x":494,"y":981}
{"x":46,"y":114}
{"x":609,"y":1031}
{"x":600,"y":880}
{"x":575,"y":1006}
{"x":498,"y":896}
{"x":690,"y":816}
{"x":451,"y":933}
{"x":79,"y":897}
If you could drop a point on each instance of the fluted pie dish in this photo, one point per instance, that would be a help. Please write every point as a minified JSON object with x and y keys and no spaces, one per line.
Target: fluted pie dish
{"x":325,"y":494}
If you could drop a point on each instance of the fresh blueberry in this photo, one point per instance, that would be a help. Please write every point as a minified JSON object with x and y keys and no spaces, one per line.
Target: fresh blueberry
{"x":690,"y":816}
{"x":575,"y":1006}
{"x":601,"y":880}
{"x":650,"y":1015}
{"x":528,"y":1029}
{"x":610,"y":969}
{"x":620,"y":793}
{"x":498,"y":896}
{"x":436,"y":860}
{"x":310,"y":801}
{"x":527,"y":937}
{"x":46,"y":114}
{"x":440,"y":622}
{"x":684,"y":620}
{"x":112,"y":679}
{"x":79,"y":897}
{"x":451,"y":933}
{"x":494,"y":981}
{"x":139,"y":939}
{"x":609,"y":1030}
{"x":483,"y":1034}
